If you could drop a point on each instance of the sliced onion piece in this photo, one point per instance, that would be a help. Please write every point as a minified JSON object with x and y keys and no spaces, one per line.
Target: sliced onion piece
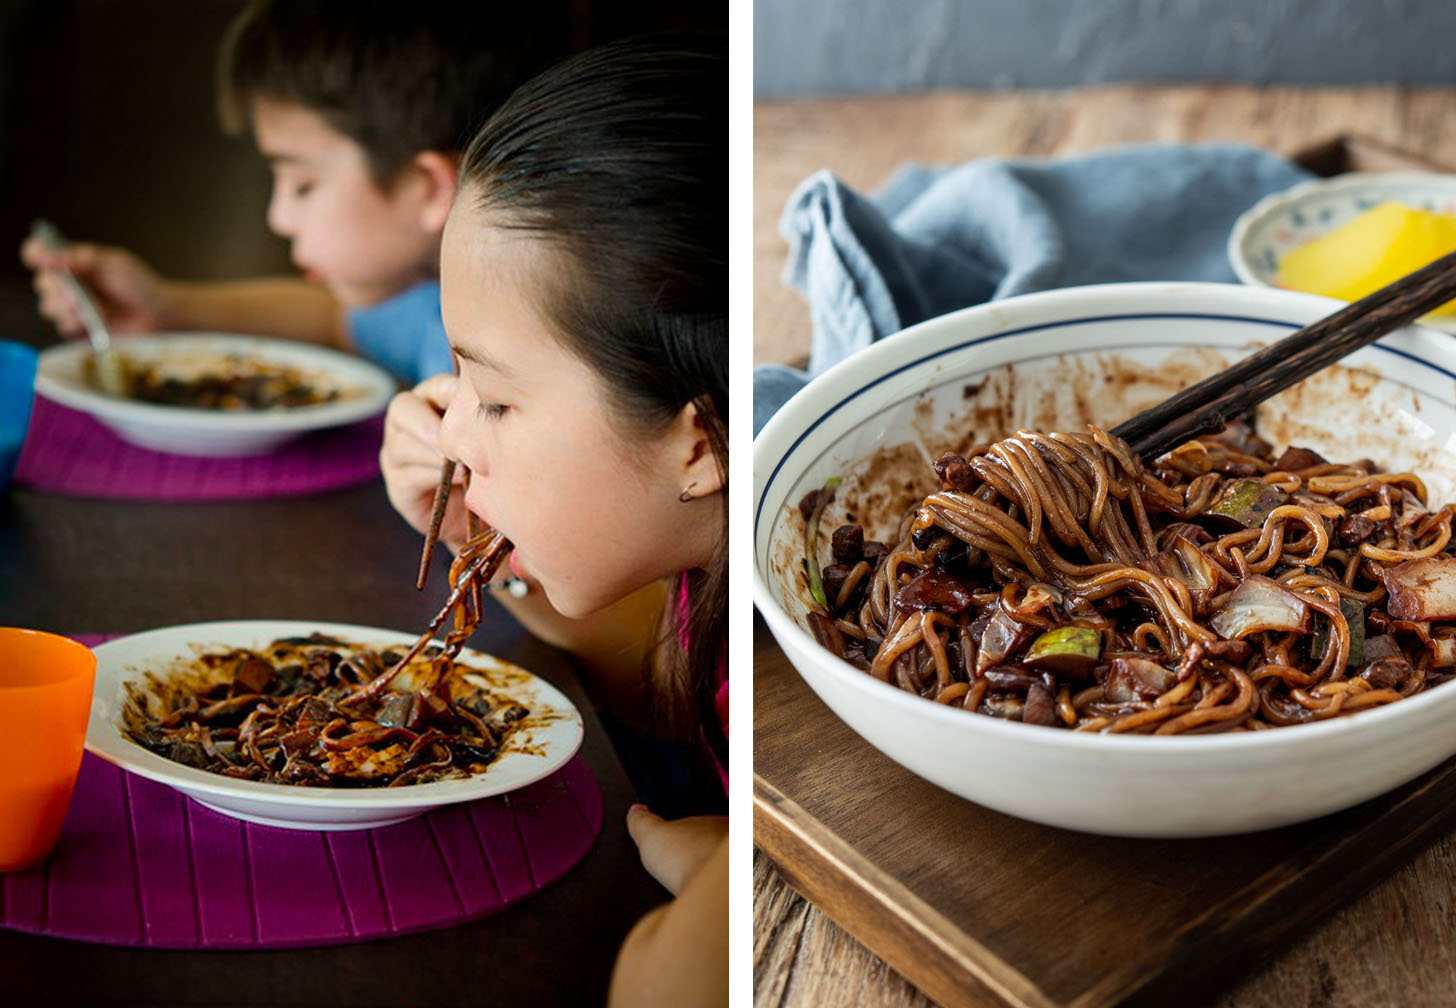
{"x":1422,"y":589}
{"x":1260,"y":604}
{"x":1138,"y":679}
{"x":1002,"y":637}
{"x":1443,"y":651}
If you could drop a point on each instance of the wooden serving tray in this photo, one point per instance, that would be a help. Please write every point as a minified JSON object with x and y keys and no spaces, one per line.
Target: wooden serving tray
{"x":1349,"y":152}
{"x":979,"y":908}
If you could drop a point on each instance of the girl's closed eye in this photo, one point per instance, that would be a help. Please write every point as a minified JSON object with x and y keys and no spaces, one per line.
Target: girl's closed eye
{"x":490,"y":411}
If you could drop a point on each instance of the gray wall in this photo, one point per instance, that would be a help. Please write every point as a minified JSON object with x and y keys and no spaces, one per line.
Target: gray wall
{"x":857,"y":46}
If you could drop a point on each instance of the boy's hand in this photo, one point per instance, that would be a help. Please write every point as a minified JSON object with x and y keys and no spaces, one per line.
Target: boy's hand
{"x":129,"y":294}
{"x":673,"y":851}
{"x":411,"y":459}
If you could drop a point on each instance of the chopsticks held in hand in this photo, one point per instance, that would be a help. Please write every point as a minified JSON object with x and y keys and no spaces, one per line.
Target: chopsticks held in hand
{"x":437,"y":509}
{"x":1209,"y":405}
{"x":473,"y":524}
{"x":437,"y":518}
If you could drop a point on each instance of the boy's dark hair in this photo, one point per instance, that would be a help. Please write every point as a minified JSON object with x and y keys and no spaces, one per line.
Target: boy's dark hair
{"x":395,"y":76}
{"x":619,"y":158}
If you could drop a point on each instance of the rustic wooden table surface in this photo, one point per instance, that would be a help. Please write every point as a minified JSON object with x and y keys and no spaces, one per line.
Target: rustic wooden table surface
{"x":78,"y":566}
{"x":1377,"y":949}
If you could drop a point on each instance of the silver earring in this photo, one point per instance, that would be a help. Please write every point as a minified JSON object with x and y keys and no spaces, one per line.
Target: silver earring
{"x":687,"y":494}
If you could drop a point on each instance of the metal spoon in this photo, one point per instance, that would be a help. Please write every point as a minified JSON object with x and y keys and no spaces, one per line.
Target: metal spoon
{"x":110,"y":373}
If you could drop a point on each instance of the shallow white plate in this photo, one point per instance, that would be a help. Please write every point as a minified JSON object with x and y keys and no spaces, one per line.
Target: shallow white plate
{"x":550,"y":739}
{"x":366,"y":390}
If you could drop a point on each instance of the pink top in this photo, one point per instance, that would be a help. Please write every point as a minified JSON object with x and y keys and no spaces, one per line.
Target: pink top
{"x":720,"y":699}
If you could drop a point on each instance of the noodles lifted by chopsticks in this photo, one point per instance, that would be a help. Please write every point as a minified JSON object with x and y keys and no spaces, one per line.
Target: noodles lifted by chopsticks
{"x":1054,"y":579}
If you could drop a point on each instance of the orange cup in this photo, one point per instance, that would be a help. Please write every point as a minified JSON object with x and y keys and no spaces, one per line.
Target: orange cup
{"x":45,"y":703}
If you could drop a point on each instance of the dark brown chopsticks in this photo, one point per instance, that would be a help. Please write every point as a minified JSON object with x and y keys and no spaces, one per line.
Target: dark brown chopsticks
{"x":437,"y":517}
{"x":1209,"y":405}
{"x":437,"y":509}
{"x":473,"y":525}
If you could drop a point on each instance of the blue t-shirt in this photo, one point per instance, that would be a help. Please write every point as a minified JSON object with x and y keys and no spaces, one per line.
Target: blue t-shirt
{"x":404,"y":334}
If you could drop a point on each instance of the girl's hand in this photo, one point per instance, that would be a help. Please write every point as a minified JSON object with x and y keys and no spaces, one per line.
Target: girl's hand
{"x":129,"y":294}
{"x":678,"y":953}
{"x":673,"y":851}
{"x":411,"y":459}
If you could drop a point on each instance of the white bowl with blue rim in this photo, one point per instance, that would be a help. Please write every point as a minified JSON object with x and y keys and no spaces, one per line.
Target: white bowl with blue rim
{"x":1281,"y":222}
{"x":1055,"y":360}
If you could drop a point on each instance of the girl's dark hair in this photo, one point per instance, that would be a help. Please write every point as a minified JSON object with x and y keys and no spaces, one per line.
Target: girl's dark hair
{"x":619,"y":158}
{"x":395,"y":76}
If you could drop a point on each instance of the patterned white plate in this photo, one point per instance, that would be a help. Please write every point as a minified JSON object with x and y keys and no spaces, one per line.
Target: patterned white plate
{"x":1281,"y":222}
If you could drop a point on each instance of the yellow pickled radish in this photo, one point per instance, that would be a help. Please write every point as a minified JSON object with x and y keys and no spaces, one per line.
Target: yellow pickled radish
{"x":1369,"y":251}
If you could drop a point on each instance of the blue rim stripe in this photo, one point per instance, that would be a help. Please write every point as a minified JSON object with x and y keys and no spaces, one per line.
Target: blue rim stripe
{"x":1064,"y":323}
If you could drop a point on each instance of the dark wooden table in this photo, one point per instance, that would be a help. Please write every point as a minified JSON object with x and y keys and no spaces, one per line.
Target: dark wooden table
{"x":90,"y":566}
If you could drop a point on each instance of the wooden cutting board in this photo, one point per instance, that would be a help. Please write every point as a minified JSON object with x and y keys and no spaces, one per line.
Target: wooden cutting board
{"x":979,"y":908}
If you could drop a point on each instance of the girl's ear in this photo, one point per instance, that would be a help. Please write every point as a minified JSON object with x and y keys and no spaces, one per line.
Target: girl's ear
{"x":435,"y":177}
{"x":699,"y":469}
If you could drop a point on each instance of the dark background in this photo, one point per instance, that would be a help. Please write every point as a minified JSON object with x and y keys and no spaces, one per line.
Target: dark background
{"x":108,"y":127}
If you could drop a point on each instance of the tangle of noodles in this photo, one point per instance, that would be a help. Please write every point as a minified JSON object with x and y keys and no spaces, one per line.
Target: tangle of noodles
{"x":1055,"y":579}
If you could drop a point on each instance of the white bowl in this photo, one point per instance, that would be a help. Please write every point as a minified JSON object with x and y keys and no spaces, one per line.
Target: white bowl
{"x":365,"y":389}
{"x":1283,"y":221}
{"x":1099,"y":353}
{"x":553,"y":734}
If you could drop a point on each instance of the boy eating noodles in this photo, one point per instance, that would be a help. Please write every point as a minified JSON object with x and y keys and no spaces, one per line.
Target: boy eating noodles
{"x":361,"y":108}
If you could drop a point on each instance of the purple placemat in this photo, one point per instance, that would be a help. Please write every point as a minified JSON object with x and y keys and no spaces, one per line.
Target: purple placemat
{"x":139,"y":863}
{"x":68,"y":452}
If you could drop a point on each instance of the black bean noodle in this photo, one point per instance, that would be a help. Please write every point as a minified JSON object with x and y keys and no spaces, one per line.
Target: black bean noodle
{"x":1055,"y":579}
{"x":322,"y":712}
{"x":232,"y":383}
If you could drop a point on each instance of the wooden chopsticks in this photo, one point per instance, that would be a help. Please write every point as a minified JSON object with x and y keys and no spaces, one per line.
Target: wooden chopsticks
{"x":437,"y":518}
{"x":1209,"y":405}
{"x":437,"y":509}
{"x":473,"y":525}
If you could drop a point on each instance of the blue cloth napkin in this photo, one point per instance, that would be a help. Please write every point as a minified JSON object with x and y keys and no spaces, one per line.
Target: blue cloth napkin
{"x":937,"y":239}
